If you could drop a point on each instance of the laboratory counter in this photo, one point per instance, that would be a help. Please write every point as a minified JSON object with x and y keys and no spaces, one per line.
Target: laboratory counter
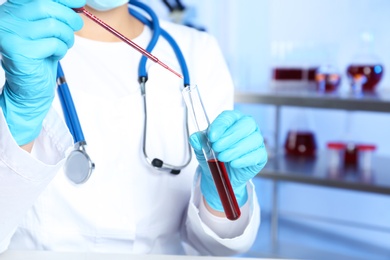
{"x":48,"y":255}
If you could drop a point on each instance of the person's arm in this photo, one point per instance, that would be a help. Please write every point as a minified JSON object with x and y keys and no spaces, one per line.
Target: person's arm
{"x":209,"y":71}
{"x":25,"y":175}
{"x":217,"y":220}
{"x":207,"y":234}
{"x":27,"y":147}
{"x":34,"y":35}
{"x":208,"y":208}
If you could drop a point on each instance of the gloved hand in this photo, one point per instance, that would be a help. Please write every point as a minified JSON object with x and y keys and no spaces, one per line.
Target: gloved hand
{"x":34,"y":36}
{"x":237,"y":140}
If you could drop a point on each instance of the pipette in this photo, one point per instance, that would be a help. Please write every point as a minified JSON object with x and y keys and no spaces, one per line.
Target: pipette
{"x":124,"y":38}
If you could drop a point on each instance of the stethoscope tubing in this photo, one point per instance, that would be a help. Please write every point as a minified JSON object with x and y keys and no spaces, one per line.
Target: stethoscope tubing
{"x":78,"y":157}
{"x":142,"y":77}
{"x":72,"y":119}
{"x":157,"y":31}
{"x":154,"y":25}
{"x":70,"y":114}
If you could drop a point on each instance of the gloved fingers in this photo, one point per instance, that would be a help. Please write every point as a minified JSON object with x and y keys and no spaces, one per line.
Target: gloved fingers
{"x":72,"y":3}
{"x":54,"y":29}
{"x":69,"y":3}
{"x":242,"y":148}
{"x":37,"y":32}
{"x":42,"y":9}
{"x":30,"y":50}
{"x":195,"y":141}
{"x":196,"y":144}
{"x":242,"y":128}
{"x":221,"y":123}
{"x":34,"y":22}
{"x":18,"y":1}
{"x":255,"y":158}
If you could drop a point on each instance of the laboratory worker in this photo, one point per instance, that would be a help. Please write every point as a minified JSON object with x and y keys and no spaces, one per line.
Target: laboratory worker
{"x":141,"y":191}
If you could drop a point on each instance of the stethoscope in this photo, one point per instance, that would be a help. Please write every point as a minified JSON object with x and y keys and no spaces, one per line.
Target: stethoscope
{"x":79,"y":166}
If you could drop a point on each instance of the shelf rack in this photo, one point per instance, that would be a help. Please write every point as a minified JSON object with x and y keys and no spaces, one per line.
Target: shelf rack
{"x":379,"y":102}
{"x":314,"y":171}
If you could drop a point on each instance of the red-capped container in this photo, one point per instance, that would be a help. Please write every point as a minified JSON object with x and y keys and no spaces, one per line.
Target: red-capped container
{"x":365,"y":152}
{"x":335,"y":154}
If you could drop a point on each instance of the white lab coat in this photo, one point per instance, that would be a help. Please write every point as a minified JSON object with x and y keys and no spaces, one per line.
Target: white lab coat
{"x":126,"y":206}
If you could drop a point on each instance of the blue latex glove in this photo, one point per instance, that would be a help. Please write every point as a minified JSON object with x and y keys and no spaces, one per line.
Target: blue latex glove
{"x":34,"y":36}
{"x":237,"y":140}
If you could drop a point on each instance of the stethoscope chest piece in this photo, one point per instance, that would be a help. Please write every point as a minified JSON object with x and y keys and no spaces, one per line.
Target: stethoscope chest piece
{"x":78,"y":166}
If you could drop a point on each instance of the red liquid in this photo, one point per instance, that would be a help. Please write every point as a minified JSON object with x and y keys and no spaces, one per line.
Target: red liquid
{"x":287,"y":74}
{"x":372,"y":73}
{"x":311,"y":74}
{"x":300,"y":143}
{"x":294,"y":74}
{"x":328,"y":82}
{"x":351,"y":155}
{"x":224,"y":188}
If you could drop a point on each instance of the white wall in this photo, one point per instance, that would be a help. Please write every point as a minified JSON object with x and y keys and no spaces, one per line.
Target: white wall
{"x":338,"y":24}
{"x":333,"y":26}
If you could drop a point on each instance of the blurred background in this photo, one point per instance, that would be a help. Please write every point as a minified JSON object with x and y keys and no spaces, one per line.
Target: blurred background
{"x":332,"y":49}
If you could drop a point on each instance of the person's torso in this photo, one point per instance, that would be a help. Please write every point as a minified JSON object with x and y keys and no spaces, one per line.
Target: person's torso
{"x":126,"y":205}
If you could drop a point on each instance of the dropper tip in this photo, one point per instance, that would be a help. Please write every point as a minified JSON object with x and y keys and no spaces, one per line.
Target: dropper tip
{"x":171,"y":70}
{"x":177,"y":74}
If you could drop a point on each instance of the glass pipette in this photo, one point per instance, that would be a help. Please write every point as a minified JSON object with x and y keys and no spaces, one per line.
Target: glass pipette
{"x":124,"y":38}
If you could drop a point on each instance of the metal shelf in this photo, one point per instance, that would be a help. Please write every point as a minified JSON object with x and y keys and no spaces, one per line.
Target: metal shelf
{"x":376,"y":102}
{"x":315,"y":171}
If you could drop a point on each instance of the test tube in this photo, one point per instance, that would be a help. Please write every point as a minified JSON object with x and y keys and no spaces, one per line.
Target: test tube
{"x":217,"y":168}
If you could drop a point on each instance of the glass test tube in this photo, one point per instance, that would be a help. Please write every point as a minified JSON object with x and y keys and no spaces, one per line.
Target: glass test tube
{"x":217,"y":168}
